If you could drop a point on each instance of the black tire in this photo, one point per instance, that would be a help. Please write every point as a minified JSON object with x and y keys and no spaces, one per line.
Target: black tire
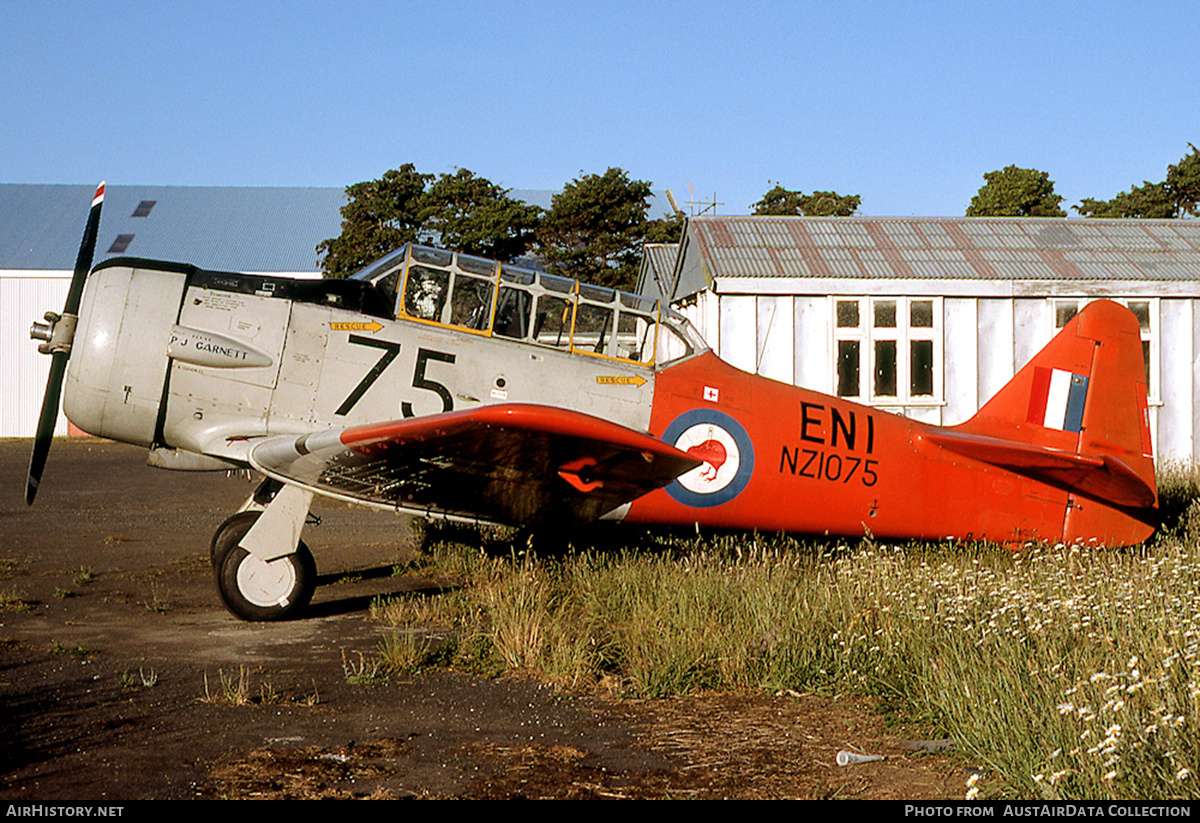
{"x":253,"y":590}
{"x":228,"y":534}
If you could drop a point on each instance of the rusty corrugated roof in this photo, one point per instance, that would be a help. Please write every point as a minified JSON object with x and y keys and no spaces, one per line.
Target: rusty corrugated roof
{"x":948,"y":248}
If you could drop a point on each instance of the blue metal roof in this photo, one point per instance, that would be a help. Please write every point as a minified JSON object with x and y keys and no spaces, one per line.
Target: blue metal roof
{"x":231,"y":228}
{"x":217,"y":227}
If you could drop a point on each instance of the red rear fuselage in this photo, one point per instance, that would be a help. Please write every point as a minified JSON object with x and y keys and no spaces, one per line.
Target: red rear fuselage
{"x":795,"y":460}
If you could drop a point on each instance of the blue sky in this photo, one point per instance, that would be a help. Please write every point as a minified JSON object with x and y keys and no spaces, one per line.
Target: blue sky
{"x":906,"y":104}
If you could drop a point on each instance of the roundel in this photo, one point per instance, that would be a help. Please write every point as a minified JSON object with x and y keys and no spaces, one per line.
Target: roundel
{"x":720,"y":441}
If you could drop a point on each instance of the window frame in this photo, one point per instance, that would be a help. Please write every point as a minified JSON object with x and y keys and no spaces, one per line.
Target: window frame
{"x":867,"y":334}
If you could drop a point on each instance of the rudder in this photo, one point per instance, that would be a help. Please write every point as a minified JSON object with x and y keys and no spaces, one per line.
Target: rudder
{"x":1085,"y":393}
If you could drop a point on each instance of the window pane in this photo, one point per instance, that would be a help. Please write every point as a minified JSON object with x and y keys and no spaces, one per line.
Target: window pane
{"x":848,"y":368}
{"x":552,"y":326}
{"x":476,"y":265}
{"x":435,"y":256}
{"x":599,"y":293}
{"x":669,"y":345}
{"x":921,"y":365}
{"x":560,"y":284}
{"x":1063,"y":312}
{"x":1141,"y":310}
{"x":635,"y":339}
{"x":593,"y":328}
{"x":885,"y":314}
{"x":885,"y":367}
{"x":512,"y":313}
{"x":921,"y":314}
{"x":510,"y":274}
{"x":471,"y":302}
{"x":425,"y":292}
{"x":847,"y":315}
{"x":1146,"y":361}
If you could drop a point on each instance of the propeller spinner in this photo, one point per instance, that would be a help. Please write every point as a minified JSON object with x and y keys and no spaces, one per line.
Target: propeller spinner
{"x":58,"y":333}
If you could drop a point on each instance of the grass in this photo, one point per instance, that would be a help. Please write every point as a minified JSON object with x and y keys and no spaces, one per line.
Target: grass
{"x":233,"y":689}
{"x":1068,"y":672}
{"x":143,"y":679}
{"x":12,"y":601}
{"x":362,"y":671}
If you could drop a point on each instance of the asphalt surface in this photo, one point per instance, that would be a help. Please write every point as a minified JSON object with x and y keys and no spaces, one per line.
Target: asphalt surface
{"x":122,"y":675}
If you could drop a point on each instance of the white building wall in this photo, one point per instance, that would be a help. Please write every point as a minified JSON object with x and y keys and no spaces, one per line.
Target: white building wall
{"x":1175,"y":430}
{"x":995,"y":347}
{"x":1195,"y":382}
{"x":813,"y":367}
{"x":960,"y":323}
{"x":775,"y":340}
{"x":739,"y":331}
{"x":24,"y":298}
{"x":986,"y":341}
{"x":1032,"y":329}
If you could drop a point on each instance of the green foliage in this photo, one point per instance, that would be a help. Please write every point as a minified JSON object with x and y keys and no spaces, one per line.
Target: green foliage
{"x":665,"y":229}
{"x":459,"y":211}
{"x":1183,"y":181}
{"x":781,"y":201}
{"x":593,"y":232}
{"x":1014,"y":192}
{"x":473,"y":215}
{"x":595,"y":229}
{"x":1148,"y":200}
{"x":381,"y":215}
{"x":1174,"y":197}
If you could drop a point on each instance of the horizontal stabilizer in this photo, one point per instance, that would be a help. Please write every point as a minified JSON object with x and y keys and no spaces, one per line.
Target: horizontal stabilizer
{"x":1102,"y":477}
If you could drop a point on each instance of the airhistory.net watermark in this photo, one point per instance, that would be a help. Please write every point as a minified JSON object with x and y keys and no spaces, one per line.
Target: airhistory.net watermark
{"x":48,"y":810}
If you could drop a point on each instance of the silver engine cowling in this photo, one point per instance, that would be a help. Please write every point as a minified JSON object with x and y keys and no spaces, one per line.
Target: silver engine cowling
{"x":118,"y":368}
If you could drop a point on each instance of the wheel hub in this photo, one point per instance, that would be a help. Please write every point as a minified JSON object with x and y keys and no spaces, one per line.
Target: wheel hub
{"x":266,"y":584}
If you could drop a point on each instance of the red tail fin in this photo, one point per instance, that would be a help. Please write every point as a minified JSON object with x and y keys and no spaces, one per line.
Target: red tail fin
{"x":1076,"y":417}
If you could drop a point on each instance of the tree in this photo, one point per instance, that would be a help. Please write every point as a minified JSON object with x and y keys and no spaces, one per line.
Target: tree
{"x":473,"y":215}
{"x":665,"y":229}
{"x":1183,"y":181}
{"x":595,"y":229}
{"x":1147,"y":200}
{"x":1174,"y":197}
{"x":1014,"y":192}
{"x":782,"y":201}
{"x":380,"y":216}
{"x":459,"y":211}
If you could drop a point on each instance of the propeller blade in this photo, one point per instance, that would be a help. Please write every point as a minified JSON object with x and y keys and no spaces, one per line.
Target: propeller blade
{"x":60,"y":349}
{"x":45,"y":429}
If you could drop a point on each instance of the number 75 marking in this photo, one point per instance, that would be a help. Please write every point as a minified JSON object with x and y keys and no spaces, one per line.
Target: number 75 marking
{"x":420,"y":381}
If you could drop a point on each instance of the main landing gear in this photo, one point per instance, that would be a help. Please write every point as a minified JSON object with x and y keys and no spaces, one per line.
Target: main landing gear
{"x":270,"y":574}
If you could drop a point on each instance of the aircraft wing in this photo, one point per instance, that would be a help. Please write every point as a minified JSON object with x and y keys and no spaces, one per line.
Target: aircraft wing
{"x":510,"y":463}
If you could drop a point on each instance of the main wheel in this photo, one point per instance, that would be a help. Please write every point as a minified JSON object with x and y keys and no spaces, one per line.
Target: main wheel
{"x":256,"y":590}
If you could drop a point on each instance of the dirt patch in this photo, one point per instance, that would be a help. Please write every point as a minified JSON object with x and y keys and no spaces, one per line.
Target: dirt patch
{"x":123,"y":678}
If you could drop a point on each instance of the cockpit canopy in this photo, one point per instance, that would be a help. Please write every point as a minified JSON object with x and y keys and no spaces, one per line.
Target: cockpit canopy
{"x":501,"y":300}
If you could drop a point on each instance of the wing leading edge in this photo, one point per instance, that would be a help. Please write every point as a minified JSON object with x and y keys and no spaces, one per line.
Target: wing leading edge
{"x":511,"y":463}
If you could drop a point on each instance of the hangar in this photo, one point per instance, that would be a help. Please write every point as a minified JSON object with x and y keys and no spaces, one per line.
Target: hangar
{"x":259,"y":230}
{"x":928,"y":317}
{"x":268,"y":230}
